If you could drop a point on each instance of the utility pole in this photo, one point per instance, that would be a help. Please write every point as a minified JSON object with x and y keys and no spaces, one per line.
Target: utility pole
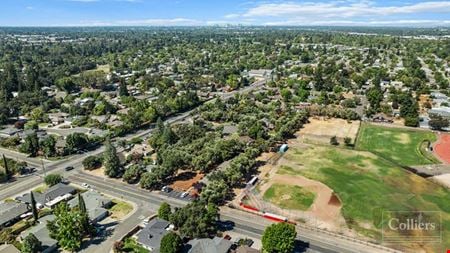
{"x":43,"y":168}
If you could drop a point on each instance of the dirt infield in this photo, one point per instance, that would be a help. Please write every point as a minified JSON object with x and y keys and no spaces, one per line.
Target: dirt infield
{"x":442,"y":148}
{"x":321,"y":130}
{"x":324,"y":212}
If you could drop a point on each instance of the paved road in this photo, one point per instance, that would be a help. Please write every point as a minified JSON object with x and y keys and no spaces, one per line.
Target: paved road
{"x":244,"y":222}
{"x":23,"y":184}
{"x":249,"y":223}
{"x":36,"y":162}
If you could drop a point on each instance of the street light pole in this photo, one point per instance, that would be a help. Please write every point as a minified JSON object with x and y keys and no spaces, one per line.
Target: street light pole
{"x":43,"y":168}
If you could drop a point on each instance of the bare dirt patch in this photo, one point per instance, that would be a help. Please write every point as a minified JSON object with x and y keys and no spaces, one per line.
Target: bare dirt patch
{"x":185,"y":180}
{"x":321,"y":130}
{"x":322,"y":212}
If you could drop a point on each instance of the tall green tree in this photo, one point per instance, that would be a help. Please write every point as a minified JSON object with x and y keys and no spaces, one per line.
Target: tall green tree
{"x":53,"y":179}
{"x":171,"y":243}
{"x":5,"y":168}
{"x":76,"y":141}
{"x":123,"y":91}
{"x":85,"y":221}
{"x":111,"y":160}
{"x":279,"y":238}
{"x":34,"y":207}
{"x":164,"y":211}
{"x":49,"y":146}
{"x":31,"y":145}
{"x":31,"y":244}
{"x":67,"y":227}
{"x":81,"y":204}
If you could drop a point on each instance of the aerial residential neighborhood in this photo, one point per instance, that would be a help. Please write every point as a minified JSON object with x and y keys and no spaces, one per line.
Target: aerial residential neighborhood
{"x":236,"y":127}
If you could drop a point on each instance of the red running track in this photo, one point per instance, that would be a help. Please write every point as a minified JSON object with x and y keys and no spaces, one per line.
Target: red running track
{"x":442,"y":148}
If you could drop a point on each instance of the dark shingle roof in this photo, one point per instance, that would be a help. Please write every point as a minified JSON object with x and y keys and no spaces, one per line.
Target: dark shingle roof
{"x":206,"y":245}
{"x":49,"y":195}
{"x":152,"y":233}
{"x":11,"y":210}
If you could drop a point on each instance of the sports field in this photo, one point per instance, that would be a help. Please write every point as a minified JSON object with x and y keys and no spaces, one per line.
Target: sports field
{"x":367,"y":185}
{"x":289,"y":196}
{"x":401,"y":145}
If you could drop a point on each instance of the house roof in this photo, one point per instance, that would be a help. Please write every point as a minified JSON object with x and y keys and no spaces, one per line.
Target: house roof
{"x":206,"y":245}
{"x":8,"y":248}
{"x":42,"y":233}
{"x":229,"y":129}
{"x":11,"y":210}
{"x":50,"y":194}
{"x":92,"y":199}
{"x":152,"y":233}
{"x":10,"y":131}
{"x":246,"y":249}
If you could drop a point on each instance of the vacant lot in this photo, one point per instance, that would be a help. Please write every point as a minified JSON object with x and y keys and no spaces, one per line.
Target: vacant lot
{"x":289,"y":196}
{"x":367,"y":185}
{"x":400,"y":145}
{"x":318,"y":130}
{"x":185,"y":180}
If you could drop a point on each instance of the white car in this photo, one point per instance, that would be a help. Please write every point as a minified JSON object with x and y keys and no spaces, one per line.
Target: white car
{"x":85,"y":185}
{"x":184,"y":194}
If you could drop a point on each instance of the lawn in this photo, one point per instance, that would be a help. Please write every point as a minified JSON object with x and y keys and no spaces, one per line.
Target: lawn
{"x":289,"y":196}
{"x":120,"y":209}
{"x":403,"y":146}
{"x":367,"y":185}
{"x":130,"y":245}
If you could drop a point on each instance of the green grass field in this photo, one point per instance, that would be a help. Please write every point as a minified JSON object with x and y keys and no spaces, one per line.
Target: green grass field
{"x":289,"y":196}
{"x":367,"y":185}
{"x":400,"y":145}
{"x":120,"y":209}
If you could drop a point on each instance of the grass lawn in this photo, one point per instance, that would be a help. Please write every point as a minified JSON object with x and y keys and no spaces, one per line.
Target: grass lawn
{"x":41,"y":188}
{"x":367,"y":185}
{"x":400,"y":145}
{"x":130,"y":245}
{"x":289,"y":196}
{"x":120,"y":209}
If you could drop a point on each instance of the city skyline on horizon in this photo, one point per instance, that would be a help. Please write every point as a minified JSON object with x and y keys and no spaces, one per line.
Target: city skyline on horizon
{"x":233,"y":12}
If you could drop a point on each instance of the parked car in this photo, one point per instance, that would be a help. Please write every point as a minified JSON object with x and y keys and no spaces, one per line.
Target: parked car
{"x":184,"y":194}
{"x":166,"y":189}
{"x":85,"y":185}
{"x":69,"y":168}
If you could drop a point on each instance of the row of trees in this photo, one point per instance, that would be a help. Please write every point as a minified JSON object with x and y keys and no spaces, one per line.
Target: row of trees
{"x":279,"y":238}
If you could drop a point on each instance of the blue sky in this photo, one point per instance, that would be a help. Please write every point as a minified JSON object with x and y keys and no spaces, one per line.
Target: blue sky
{"x":218,"y":12}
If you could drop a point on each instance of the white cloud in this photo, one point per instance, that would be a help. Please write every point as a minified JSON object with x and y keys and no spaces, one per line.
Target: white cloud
{"x":405,"y":22}
{"x":232,"y":16}
{"x":343,"y":9}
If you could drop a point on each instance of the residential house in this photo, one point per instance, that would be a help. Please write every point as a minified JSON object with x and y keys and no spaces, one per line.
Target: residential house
{"x":43,"y":234}
{"x":207,"y":245}
{"x":51,"y":196}
{"x":10,"y":212}
{"x":150,"y":236}
{"x":9,"y":132}
{"x":441,"y":111}
{"x":58,"y":118}
{"x":229,"y":129}
{"x":141,"y":149}
{"x":96,"y":205}
{"x":246,"y":249}
{"x":260,"y":74}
